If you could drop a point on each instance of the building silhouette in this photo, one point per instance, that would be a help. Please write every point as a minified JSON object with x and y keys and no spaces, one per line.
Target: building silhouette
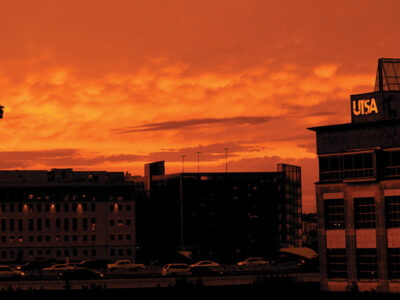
{"x":62,"y":214}
{"x":358,"y":192}
{"x":224,"y":216}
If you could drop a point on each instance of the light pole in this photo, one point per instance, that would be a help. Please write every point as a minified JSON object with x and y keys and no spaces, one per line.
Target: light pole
{"x":198,"y":161}
{"x":183,"y":163}
{"x":226,"y":159}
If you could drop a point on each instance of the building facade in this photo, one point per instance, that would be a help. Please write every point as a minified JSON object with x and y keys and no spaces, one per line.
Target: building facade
{"x":63,"y":214}
{"x":224,"y":216}
{"x":358,"y":192}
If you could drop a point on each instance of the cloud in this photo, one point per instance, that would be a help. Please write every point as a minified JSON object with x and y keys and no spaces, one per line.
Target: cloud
{"x":194,"y":123}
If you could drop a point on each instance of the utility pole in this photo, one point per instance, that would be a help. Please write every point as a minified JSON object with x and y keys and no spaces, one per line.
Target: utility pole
{"x":226,"y":159}
{"x":198,"y":161}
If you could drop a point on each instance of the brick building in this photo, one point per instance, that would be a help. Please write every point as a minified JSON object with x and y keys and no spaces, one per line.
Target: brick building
{"x":358,"y":192}
{"x":62,"y":214}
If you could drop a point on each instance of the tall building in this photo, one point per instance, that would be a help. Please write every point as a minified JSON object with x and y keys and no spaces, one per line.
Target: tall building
{"x":62,"y":214}
{"x":358,"y":192}
{"x":224,"y":216}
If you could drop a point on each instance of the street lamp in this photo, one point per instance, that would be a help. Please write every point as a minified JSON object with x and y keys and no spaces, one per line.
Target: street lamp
{"x":198,"y":161}
{"x":1,"y":111}
{"x":183,"y":163}
{"x":226,"y":159}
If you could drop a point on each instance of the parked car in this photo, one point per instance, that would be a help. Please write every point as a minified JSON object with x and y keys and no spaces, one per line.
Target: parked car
{"x":57,"y":268}
{"x":125,"y":264}
{"x":205,"y":263}
{"x":92,"y":264}
{"x":253,"y":261}
{"x":9,"y":272}
{"x":34,"y":265}
{"x":174,"y":269}
{"x":79,"y":274}
{"x":203,"y":271}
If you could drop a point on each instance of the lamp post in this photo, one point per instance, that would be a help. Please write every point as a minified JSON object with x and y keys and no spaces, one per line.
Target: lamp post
{"x":198,"y":161}
{"x":226,"y":159}
{"x":183,"y":163}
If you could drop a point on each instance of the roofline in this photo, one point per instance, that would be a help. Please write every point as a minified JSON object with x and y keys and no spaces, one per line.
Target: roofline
{"x":354,"y":124}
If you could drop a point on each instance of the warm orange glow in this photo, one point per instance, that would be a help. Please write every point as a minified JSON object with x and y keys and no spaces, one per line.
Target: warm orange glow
{"x":116,"y":85}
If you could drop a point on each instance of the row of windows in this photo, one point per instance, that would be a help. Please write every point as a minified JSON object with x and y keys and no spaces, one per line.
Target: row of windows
{"x":11,"y":254}
{"x":48,"y":224}
{"x":359,"y":165}
{"x":46,"y":238}
{"x":366,"y":262}
{"x":364,"y":213}
{"x":58,"y":207}
{"x":59,"y":238}
{"x":47,"y":207}
{"x":346,"y":166}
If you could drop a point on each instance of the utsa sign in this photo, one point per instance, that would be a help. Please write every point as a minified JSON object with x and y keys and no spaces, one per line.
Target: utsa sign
{"x":364,"y":107}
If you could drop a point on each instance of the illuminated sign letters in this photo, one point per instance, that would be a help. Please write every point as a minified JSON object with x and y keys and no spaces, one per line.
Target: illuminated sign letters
{"x":364,"y":107}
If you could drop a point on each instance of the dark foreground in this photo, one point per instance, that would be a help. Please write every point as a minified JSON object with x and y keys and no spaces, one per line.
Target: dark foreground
{"x":262,"y":288}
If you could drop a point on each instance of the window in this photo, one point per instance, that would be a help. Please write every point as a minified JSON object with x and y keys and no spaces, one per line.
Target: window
{"x":392,"y":207}
{"x":3,"y":225}
{"x":392,"y":163}
{"x":364,"y":213}
{"x":367,"y":264}
{"x":394,"y":263}
{"x":347,"y":166}
{"x":334,"y":214}
{"x":74,"y":224}
{"x":66,"y":224}
{"x":30,"y":224}
{"x":39,"y":224}
{"x":47,"y":223}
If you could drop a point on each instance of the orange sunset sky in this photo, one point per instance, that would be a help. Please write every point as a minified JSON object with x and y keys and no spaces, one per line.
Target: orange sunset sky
{"x":112,"y":85}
